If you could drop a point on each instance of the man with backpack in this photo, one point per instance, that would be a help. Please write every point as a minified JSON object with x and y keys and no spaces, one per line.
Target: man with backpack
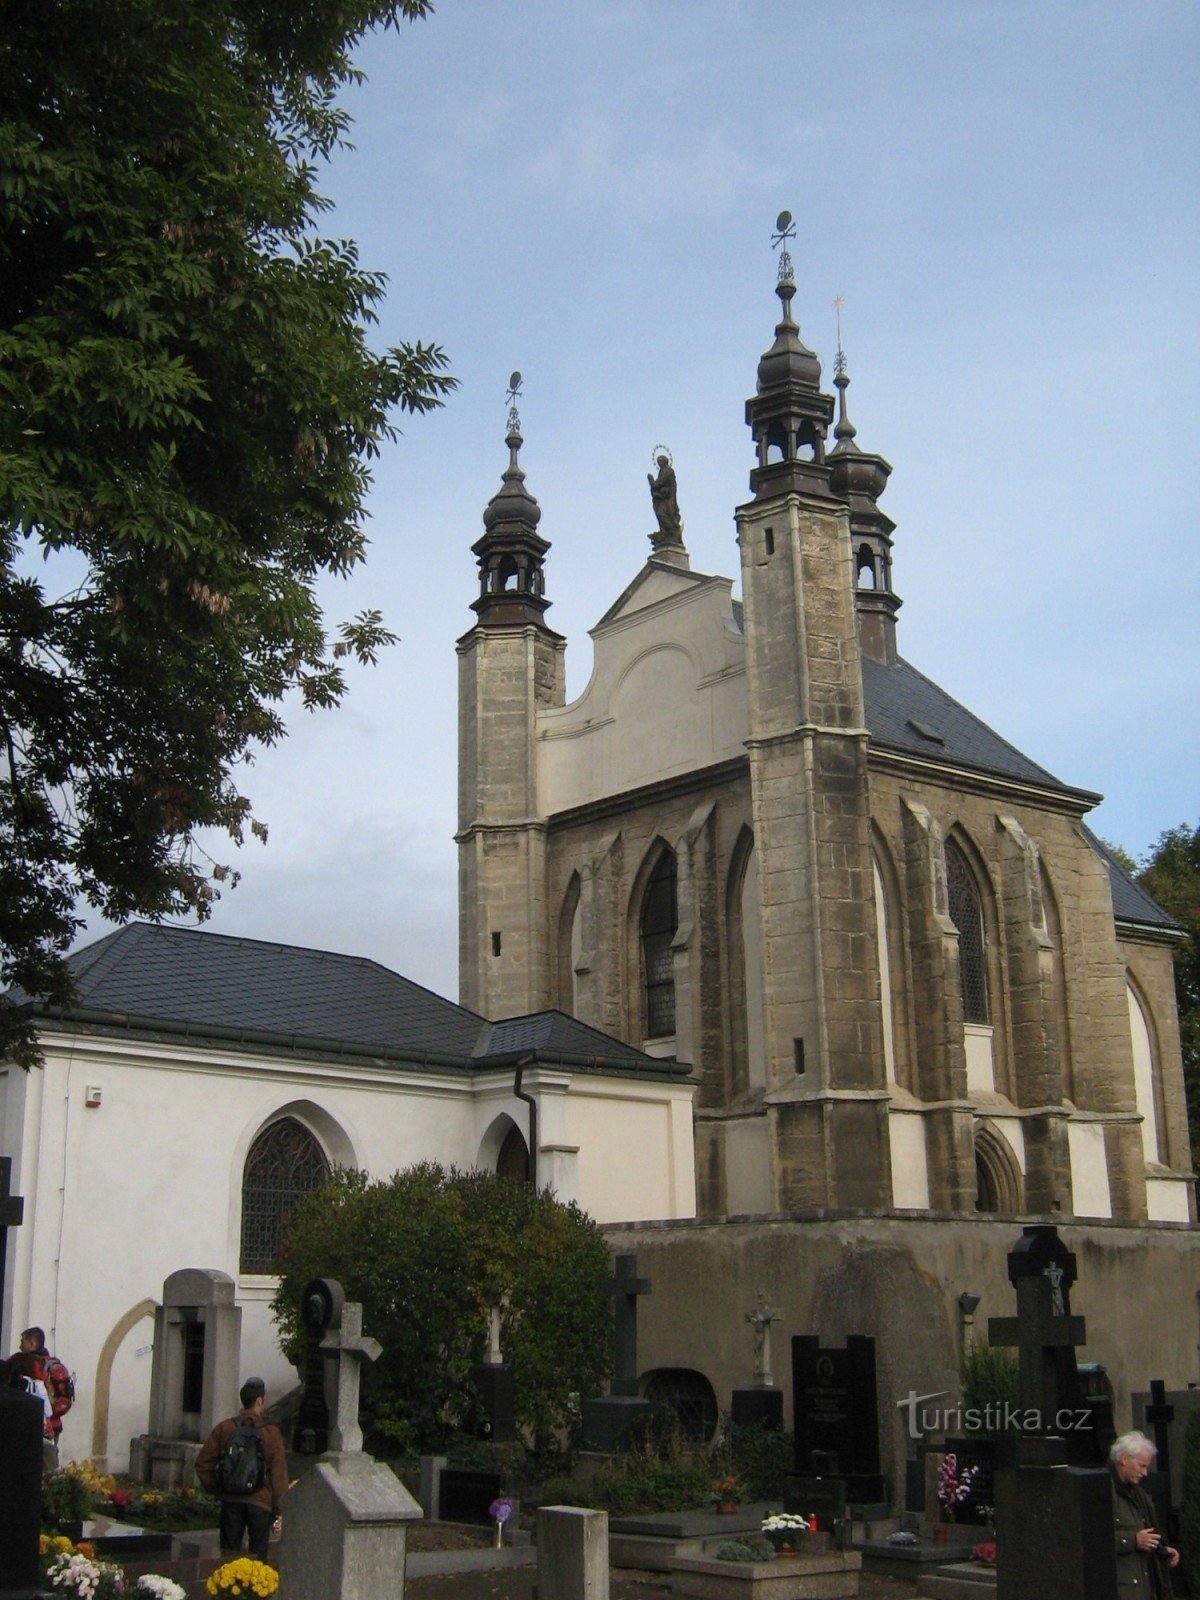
{"x":243,"y":1462}
{"x":44,"y":1376}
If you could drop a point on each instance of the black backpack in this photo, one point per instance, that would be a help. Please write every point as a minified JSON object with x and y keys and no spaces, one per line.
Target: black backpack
{"x":241,"y":1466}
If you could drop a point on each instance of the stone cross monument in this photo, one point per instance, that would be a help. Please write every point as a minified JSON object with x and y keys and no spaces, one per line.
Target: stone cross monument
{"x":345,"y":1522}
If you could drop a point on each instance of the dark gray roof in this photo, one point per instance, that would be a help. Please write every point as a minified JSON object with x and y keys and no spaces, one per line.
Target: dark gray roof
{"x":1131,"y":903}
{"x":210,"y":980}
{"x":210,"y":986}
{"x":907,"y":711}
{"x":553,"y":1033}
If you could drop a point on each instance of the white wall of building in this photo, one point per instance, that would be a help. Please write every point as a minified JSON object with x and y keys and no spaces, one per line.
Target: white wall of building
{"x":121,"y":1194}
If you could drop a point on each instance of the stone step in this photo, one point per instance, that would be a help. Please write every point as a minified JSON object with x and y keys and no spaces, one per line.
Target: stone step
{"x":959,"y":1580}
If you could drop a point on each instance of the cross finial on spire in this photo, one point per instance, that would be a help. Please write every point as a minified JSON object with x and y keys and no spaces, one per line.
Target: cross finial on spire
{"x":839,"y":365}
{"x":512,"y":396}
{"x":785,"y":229}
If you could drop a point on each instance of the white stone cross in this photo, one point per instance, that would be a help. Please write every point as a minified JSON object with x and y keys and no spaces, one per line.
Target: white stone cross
{"x":761,"y":1318}
{"x":352,"y":1349}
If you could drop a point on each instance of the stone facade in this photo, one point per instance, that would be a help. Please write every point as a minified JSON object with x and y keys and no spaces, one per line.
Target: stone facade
{"x":920,"y":1003}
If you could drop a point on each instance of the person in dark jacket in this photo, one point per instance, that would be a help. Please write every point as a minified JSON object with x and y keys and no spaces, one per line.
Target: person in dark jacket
{"x":1143,"y":1555}
{"x":254,"y":1515}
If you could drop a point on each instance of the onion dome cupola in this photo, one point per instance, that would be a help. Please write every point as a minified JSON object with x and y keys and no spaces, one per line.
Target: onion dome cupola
{"x":788,"y":415}
{"x":859,"y":478}
{"x":511,"y":553}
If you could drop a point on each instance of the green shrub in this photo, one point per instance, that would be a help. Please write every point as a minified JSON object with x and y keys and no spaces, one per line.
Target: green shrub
{"x":1189,"y":1510}
{"x":734,"y":1550}
{"x":668,"y":1476}
{"x":427,"y":1253}
{"x":989,"y":1384}
{"x":762,"y":1458}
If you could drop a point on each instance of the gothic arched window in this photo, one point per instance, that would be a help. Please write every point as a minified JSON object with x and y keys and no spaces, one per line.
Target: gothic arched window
{"x":659,"y":920}
{"x":966,"y":913}
{"x":284,"y":1164}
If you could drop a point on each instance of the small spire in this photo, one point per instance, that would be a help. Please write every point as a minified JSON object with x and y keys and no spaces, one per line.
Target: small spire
{"x":845,"y":430}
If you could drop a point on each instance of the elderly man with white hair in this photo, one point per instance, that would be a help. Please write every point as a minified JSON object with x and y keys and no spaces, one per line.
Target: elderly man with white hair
{"x":1143,"y":1555}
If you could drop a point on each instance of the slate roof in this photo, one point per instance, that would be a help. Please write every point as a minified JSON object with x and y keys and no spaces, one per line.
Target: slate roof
{"x":553,"y":1033}
{"x":907,"y":711}
{"x":211,"y":987}
{"x":1131,"y":903}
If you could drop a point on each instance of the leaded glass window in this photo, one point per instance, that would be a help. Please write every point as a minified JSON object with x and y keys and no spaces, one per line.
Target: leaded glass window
{"x":967,"y":916}
{"x":659,"y":921}
{"x":285,"y":1163}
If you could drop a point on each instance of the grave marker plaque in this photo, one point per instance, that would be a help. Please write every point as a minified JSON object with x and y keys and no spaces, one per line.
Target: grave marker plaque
{"x":836,"y":1412}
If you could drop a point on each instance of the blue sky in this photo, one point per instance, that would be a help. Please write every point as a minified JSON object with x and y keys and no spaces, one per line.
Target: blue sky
{"x":1003,"y":193}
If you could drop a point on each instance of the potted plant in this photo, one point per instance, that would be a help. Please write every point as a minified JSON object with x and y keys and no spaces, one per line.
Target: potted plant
{"x":787,"y":1531}
{"x":67,"y":1502}
{"x":727,"y":1492}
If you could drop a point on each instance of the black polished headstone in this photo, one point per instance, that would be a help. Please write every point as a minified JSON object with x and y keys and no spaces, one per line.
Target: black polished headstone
{"x":836,"y":1411}
{"x":20,"y":1446}
{"x":824,"y":1498}
{"x":1054,"y":1528}
{"x":465,"y":1496}
{"x":757,"y":1408}
{"x":321,"y":1307}
{"x":494,"y":1413}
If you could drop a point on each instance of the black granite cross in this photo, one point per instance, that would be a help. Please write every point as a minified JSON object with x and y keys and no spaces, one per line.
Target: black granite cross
{"x":1041,"y":1270}
{"x":20,"y":1445}
{"x":1159,"y":1414}
{"x":12,"y":1212}
{"x":626,"y":1286}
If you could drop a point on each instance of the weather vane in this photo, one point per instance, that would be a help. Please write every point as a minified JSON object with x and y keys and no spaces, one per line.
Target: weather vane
{"x":839,"y":365}
{"x":512,"y":396}
{"x":785,"y":229}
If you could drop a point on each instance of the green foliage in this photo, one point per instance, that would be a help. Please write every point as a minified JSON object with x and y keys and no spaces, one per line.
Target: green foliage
{"x":746,"y":1549}
{"x":762,"y":1458}
{"x":66,"y":1497}
{"x":188,"y":410}
{"x":666,"y":1474}
{"x":427,"y":1253}
{"x":1189,"y":1509}
{"x":989,"y":1382}
{"x":1171,"y":875}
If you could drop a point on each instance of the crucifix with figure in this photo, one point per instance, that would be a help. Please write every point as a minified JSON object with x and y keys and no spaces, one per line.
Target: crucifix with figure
{"x":1041,"y":1269}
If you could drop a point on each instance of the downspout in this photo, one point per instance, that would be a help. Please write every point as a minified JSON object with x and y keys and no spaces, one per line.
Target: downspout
{"x":528,"y":1060}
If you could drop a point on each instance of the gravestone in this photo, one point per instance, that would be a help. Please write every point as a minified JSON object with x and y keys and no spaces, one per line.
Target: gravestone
{"x":836,"y":1411}
{"x":194,"y":1375}
{"x":492,"y":1380}
{"x":345,"y":1522}
{"x":21,"y":1420}
{"x":620,"y":1417}
{"x":1051,"y":1516}
{"x":572,"y":1554}
{"x":321,"y":1307}
{"x":761,"y":1405}
{"x":1162,"y":1414}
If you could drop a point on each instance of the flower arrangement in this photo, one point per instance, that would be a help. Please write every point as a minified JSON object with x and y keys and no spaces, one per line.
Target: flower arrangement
{"x":87,"y":1579}
{"x":954,"y":1486}
{"x":726,"y":1486}
{"x":66,"y":1496}
{"x":156,"y":1587}
{"x":785,"y":1528}
{"x":985,"y":1553}
{"x":244,"y":1577}
{"x":500,"y":1510}
{"x":100,"y":1484}
{"x":173,"y":1509}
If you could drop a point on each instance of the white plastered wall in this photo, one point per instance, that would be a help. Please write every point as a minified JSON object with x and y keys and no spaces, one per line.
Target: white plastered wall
{"x":667,"y":694}
{"x":1091,"y":1196}
{"x":121,"y":1194}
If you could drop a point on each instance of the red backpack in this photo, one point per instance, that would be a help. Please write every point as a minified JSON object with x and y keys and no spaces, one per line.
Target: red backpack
{"x":60,"y":1386}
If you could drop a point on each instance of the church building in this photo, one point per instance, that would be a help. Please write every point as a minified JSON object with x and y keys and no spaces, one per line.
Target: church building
{"x":920,"y":1001}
